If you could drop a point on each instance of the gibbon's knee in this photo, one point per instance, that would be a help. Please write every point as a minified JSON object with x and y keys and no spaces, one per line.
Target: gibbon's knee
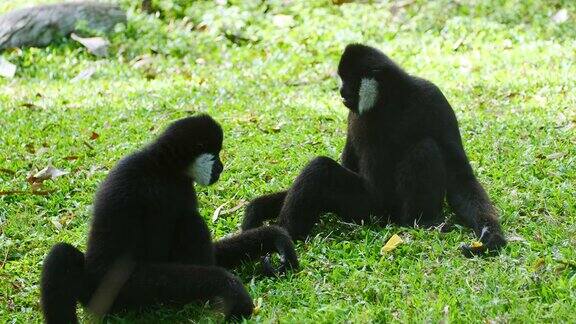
{"x":319,"y":174}
{"x":263,"y":208}
{"x":324,"y":186}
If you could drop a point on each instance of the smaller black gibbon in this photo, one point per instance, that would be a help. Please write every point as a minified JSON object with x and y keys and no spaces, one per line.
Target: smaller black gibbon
{"x":148,"y":244}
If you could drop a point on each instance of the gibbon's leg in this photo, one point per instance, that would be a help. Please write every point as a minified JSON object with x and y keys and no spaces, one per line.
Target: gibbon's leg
{"x":324,"y":186}
{"x":421,"y":185}
{"x":62,"y":283}
{"x":255,"y":243}
{"x":263,"y":208}
{"x":178,"y":284}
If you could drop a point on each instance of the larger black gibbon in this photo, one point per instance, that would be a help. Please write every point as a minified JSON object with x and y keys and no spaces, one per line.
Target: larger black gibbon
{"x":148,"y":244}
{"x":403,"y":155}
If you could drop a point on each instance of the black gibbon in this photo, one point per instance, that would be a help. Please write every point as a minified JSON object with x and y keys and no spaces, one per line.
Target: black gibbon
{"x":403,"y":155}
{"x":148,"y":243}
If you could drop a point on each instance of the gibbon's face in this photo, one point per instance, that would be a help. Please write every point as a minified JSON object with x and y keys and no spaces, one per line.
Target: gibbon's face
{"x":359,"y":95}
{"x":359,"y":90}
{"x":196,"y":142}
{"x":206,"y":169}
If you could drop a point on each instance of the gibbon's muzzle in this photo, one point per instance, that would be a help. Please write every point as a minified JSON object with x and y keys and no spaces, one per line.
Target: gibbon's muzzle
{"x":217,"y":169}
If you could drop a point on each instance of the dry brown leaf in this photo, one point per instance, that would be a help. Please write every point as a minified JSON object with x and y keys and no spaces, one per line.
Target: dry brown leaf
{"x":220,"y":212}
{"x":241,"y":204}
{"x":95,"y":45}
{"x":30,"y":105}
{"x":94,"y":135}
{"x":217,"y":212}
{"x":539,"y":263}
{"x":47,"y":173}
{"x":88,"y":145}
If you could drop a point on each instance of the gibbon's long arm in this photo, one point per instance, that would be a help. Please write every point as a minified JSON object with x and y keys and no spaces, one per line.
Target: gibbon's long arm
{"x":469,"y":200}
{"x":255,"y":243}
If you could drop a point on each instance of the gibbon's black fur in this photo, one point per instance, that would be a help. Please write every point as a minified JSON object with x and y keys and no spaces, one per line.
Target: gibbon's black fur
{"x":403,"y":155}
{"x":148,"y":243}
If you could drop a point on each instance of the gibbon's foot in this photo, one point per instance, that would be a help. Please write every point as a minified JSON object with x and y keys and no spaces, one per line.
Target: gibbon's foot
{"x":491,"y":245}
{"x":269,"y":270}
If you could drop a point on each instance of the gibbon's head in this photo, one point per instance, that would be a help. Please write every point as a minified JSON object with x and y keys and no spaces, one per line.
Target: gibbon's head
{"x":195,"y":144}
{"x":366,"y":73}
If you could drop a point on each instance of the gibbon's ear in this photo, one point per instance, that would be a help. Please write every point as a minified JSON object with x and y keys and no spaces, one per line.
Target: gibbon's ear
{"x":367,"y":94}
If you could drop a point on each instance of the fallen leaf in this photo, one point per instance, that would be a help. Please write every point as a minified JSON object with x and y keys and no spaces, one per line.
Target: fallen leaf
{"x":88,"y":145}
{"x":95,"y":45}
{"x":258,"y":306}
{"x":56,"y":224}
{"x":561,"y":16}
{"x":217,"y":212}
{"x":84,"y":74}
{"x":241,"y":204}
{"x":41,"y":151}
{"x":94,"y":136}
{"x":539,"y":263}
{"x":515,"y":238}
{"x":392,"y":243}
{"x":278,"y":127}
{"x":555,"y":156}
{"x":458,"y":43}
{"x":7,"y":69}
{"x":142,"y":61}
{"x":476,"y":244}
{"x":201,"y":27}
{"x":47,"y":173}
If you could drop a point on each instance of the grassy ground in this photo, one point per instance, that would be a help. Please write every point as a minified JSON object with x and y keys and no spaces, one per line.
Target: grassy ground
{"x":506,"y":66}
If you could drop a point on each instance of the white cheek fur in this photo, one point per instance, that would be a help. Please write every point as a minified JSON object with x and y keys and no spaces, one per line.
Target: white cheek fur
{"x":202,"y":169}
{"x":368,"y":94}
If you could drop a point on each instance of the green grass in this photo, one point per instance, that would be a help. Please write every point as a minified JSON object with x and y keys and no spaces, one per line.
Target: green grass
{"x":507,"y":69}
